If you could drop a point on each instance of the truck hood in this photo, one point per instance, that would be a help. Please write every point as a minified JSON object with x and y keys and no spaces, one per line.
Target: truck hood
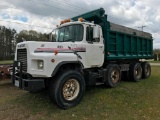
{"x":50,"y":47}
{"x":30,"y":52}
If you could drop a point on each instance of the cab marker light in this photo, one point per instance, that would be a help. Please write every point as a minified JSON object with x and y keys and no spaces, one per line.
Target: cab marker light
{"x":80,"y":19}
{"x":68,"y":20}
{"x":61,"y":22}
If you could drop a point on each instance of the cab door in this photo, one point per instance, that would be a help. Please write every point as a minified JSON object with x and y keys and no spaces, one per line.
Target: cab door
{"x":94,"y":49}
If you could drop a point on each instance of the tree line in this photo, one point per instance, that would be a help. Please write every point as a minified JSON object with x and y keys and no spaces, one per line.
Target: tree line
{"x":156,"y":54}
{"x":9,"y":38}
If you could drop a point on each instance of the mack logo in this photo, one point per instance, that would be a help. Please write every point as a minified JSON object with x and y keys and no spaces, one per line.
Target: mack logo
{"x":21,"y":45}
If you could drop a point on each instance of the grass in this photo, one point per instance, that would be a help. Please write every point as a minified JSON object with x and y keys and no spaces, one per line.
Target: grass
{"x":154,"y":61}
{"x":128,"y":101}
{"x":6,"y":62}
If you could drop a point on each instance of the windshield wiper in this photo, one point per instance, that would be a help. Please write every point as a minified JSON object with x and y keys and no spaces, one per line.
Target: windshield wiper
{"x":75,"y":52}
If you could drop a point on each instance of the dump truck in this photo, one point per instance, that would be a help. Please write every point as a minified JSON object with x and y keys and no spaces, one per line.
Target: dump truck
{"x":82,"y":51}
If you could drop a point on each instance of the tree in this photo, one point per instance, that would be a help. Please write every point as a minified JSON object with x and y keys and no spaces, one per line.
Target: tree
{"x":7,"y":47}
{"x":32,"y":35}
{"x":9,"y":38}
{"x":157,"y":51}
{"x":156,"y":54}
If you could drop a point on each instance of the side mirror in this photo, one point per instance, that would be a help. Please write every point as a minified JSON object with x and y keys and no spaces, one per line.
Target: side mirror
{"x":96,"y":32}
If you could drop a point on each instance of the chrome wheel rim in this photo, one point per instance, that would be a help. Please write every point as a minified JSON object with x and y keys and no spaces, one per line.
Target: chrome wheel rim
{"x":147,"y":71}
{"x":115,"y":76}
{"x":71,"y":89}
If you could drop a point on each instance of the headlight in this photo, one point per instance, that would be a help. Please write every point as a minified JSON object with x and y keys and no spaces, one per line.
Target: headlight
{"x":40,"y":64}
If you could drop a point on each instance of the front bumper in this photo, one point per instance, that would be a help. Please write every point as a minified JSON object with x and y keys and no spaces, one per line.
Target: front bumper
{"x":24,"y":81}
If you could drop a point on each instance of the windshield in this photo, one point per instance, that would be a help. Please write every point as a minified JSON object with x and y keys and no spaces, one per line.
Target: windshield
{"x":68,"y":33}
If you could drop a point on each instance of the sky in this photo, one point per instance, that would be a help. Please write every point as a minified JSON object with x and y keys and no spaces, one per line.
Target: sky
{"x":44,"y":15}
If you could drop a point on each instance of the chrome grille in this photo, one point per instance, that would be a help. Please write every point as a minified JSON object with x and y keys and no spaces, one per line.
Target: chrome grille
{"x":22,"y":57}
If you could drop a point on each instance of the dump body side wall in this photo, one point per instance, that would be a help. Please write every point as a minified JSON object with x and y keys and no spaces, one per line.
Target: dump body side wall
{"x":125,"y":46}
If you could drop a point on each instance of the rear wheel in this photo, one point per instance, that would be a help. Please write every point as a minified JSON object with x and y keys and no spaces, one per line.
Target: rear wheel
{"x":135,"y":72}
{"x":146,"y":70}
{"x":113,"y":75}
{"x":67,"y":89}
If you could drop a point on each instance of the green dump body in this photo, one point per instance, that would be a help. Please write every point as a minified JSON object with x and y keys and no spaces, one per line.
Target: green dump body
{"x":121,"y":42}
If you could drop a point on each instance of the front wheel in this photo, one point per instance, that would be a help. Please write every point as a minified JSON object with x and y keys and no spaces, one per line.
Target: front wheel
{"x":67,"y":89}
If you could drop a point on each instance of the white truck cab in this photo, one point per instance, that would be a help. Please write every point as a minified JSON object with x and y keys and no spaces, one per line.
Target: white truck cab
{"x":78,"y":36}
{"x":73,"y":47}
{"x":70,"y":42}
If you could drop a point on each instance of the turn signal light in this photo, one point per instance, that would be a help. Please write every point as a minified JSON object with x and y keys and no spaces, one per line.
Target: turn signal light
{"x":52,"y":60}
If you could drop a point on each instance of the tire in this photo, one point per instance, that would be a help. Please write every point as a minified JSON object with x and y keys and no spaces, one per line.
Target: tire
{"x":135,"y":71}
{"x":68,"y":89}
{"x":113,"y":75}
{"x":146,"y":70}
